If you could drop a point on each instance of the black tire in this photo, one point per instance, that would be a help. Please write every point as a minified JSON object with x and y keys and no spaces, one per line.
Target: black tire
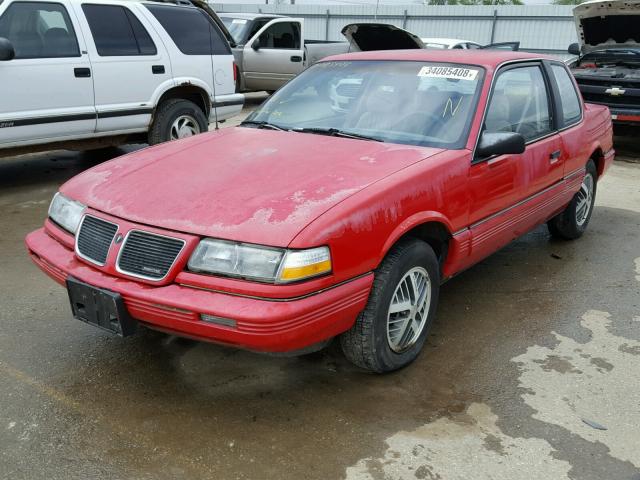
{"x":168,"y":112}
{"x":367,"y":344}
{"x":566,"y":225}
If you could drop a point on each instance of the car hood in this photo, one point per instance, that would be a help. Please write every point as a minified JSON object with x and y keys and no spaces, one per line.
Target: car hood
{"x":365,"y":37}
{"x":245,"y":184}
{"x":604,"y":24}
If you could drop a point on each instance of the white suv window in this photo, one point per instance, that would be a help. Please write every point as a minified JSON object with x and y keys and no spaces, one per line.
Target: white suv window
{"x":39,"y":30}
{"x":192,"y":30}
{"x":117,"y":32}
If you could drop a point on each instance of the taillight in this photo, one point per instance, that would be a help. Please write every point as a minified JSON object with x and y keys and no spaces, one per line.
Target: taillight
{"x":235,"y":72}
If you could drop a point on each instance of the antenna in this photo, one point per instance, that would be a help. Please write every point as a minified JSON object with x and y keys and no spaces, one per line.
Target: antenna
{"x":213,"y":75}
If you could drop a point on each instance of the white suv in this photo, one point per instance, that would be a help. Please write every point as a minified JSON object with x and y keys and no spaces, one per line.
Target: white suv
{"x":89,"y":73}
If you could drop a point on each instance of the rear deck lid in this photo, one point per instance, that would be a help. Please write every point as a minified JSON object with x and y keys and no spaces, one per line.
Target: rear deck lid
{"x":607,"y":24}
{"x":365,"y":37}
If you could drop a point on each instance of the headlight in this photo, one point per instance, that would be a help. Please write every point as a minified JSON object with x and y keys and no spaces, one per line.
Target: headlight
{"x":237,"y":259}
{"x":66,"y":212}
{"x":260,"y":263}
{"x":299,"y":264}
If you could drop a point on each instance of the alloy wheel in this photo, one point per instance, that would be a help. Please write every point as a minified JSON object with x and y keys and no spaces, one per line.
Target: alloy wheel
{"x":184,"y":126}
{"x":584,"y":199}
{"x":409,"y":309}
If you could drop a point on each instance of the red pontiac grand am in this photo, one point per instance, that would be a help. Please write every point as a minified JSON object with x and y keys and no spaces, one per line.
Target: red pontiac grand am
{"x":337,"y":209}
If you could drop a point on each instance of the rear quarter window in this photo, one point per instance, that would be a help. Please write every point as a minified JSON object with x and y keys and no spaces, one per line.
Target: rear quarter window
{"x":193,"y":32}
{"x":117,"y":31}
{"x":571,"y":108}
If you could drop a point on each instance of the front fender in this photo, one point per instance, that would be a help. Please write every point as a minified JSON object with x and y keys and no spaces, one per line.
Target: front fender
{"x":410,"y":223}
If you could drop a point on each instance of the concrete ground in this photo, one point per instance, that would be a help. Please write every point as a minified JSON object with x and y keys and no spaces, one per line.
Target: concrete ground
{"x":532,"y":372}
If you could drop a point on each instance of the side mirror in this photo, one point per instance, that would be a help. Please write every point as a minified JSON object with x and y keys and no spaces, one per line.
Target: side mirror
{"x":7,"y":51}
{"x":257,"y":44}
{"x":574,"y":49}
{"x":499,"y":143}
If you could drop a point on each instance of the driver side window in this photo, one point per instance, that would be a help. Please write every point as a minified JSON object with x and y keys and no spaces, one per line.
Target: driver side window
{"x":520,"y":103}
{"x":282,"y":35}
{"x":39,"y":30}
{"x":255,"y":28}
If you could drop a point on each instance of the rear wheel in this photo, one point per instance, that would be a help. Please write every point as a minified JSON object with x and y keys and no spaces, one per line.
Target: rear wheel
{"x":572,"y":222}
{"x":391,"y":331}
{"x":175,"y":119}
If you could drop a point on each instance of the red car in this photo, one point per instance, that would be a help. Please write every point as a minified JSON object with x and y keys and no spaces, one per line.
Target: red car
{"x":337,"y":209}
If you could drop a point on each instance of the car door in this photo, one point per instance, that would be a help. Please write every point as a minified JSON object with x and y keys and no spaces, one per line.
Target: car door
{"x":47,"y":89}
{"x":510,"y":194}
{"x":274,"y":55}
{"x":199,"y":52}
{"x":129,"y":64}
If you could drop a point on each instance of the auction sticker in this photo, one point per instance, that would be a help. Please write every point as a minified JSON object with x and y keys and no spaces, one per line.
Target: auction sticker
{"x":451,"y":73}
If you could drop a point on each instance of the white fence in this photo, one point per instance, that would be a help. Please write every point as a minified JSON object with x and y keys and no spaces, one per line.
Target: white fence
{"x":538,"y":28}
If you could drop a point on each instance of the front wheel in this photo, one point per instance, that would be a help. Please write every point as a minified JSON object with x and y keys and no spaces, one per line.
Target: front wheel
{"x":175,"y":119}
{"x":391,"y":331}
{"x":572,"y":222}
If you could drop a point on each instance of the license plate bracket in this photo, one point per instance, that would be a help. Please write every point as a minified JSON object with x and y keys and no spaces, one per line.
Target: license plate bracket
{"x":101,"y":308}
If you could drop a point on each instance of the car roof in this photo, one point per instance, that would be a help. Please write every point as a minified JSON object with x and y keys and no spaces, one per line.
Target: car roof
{"x":248,"y":16}
{"x":489,"y":59}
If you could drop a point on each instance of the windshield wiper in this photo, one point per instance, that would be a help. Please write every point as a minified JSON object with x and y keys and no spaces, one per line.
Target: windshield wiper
{"x":262,"y":124}
{"x":335,"y":132}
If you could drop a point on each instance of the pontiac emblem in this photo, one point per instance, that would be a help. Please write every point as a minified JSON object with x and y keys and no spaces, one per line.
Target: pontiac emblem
{"x":615,"y":91}
{"x":118,"y":238}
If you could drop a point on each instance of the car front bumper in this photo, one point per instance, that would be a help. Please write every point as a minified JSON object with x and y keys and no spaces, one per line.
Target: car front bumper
{"x":259,"y":324}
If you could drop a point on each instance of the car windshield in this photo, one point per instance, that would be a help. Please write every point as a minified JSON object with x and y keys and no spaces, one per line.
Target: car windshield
{"x":237,"y":27}
{"x":407,"y":102}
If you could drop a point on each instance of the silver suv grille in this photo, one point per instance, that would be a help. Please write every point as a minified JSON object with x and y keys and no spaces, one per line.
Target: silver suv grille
{"x":94,"y":239}
{"x":147,"y":255}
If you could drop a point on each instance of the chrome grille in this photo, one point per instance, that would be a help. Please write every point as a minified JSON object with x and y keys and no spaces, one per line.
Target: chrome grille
{"x":147,"y":255}
{"x":94,"y":239}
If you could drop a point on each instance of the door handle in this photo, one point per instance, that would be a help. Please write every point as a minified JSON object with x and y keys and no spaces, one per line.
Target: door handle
{"x":82,"y":72}
{"x":554,"y":156}
{"x":157,"y":69}
{"x":296,"y":58}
